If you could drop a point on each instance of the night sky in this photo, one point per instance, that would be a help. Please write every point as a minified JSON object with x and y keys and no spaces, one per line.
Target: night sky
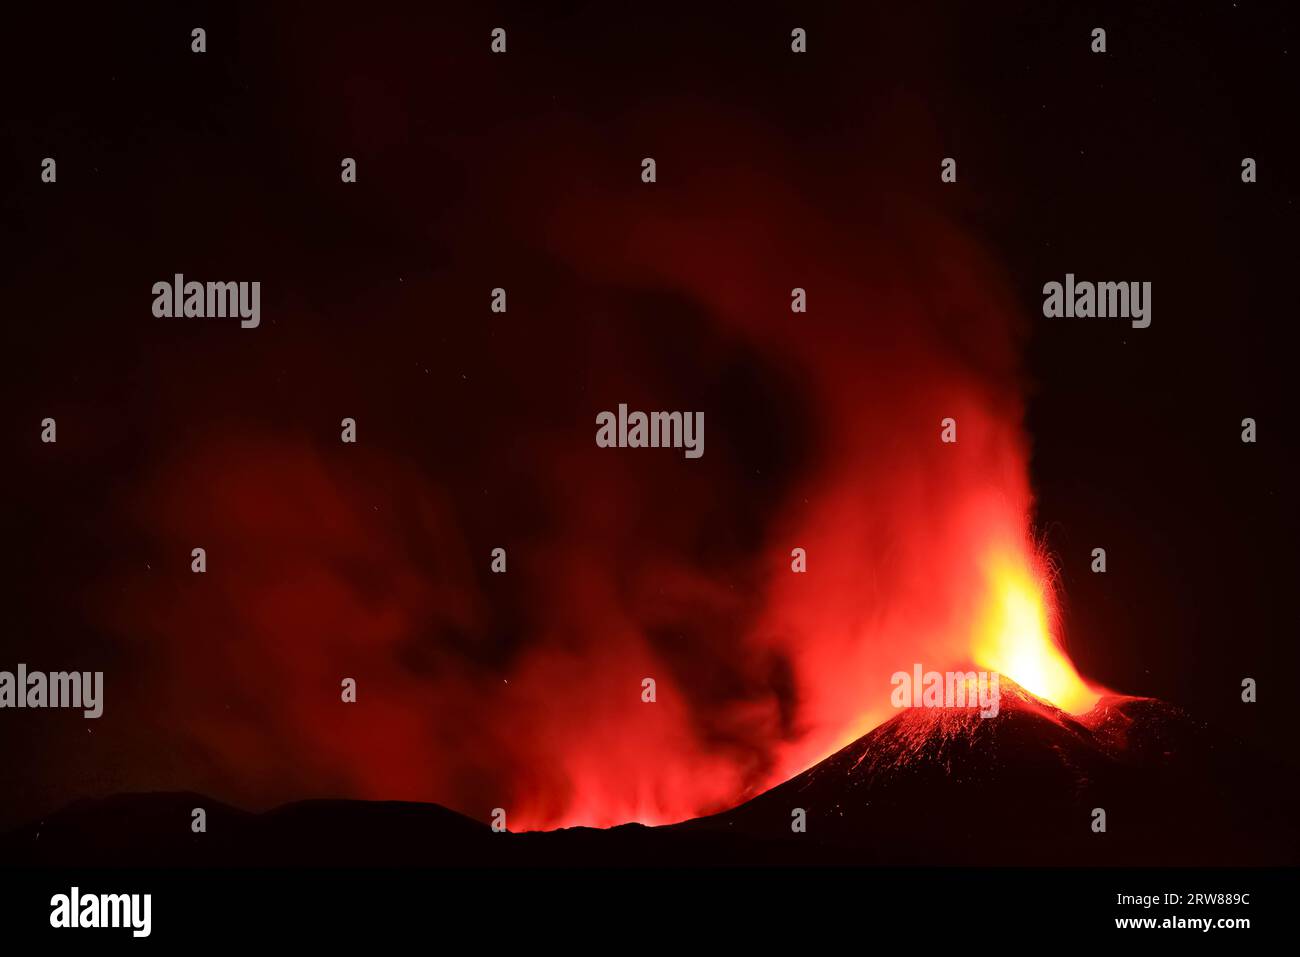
{"x":476,"y":429}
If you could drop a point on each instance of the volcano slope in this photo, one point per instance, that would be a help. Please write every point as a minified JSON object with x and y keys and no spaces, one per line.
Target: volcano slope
{"x":947,"y":786}
{"x":929,"y":786}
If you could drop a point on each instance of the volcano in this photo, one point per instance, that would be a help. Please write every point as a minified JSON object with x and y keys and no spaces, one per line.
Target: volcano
{"x":945,"y":785}
{"x":929,"y":786}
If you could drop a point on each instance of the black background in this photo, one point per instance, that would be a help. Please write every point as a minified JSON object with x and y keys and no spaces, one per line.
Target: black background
{"x":1125,"y":165}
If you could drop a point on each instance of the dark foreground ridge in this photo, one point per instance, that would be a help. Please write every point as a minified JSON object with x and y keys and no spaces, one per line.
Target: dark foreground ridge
{"x":929,"y":786}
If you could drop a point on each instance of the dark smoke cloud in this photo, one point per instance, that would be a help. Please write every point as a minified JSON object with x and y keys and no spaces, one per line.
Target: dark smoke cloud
{"x":476,"y":430}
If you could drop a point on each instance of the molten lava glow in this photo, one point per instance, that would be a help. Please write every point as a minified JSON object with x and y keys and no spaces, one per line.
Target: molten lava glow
{"x":524,"y":691}
{"x":1013,"y":634}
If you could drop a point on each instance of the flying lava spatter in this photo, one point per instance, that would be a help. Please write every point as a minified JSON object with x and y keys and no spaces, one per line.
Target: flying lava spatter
{"x":1013,"y":635}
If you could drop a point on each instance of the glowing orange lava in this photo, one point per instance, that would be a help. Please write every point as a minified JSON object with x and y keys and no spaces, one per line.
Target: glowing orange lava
{"x":1013,"y":633}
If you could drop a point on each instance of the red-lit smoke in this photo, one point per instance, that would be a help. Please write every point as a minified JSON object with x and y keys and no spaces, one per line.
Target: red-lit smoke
{"x":523,"y":690}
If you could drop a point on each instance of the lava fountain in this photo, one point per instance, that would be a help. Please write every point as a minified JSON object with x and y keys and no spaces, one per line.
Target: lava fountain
{"x":1013,"y":633}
